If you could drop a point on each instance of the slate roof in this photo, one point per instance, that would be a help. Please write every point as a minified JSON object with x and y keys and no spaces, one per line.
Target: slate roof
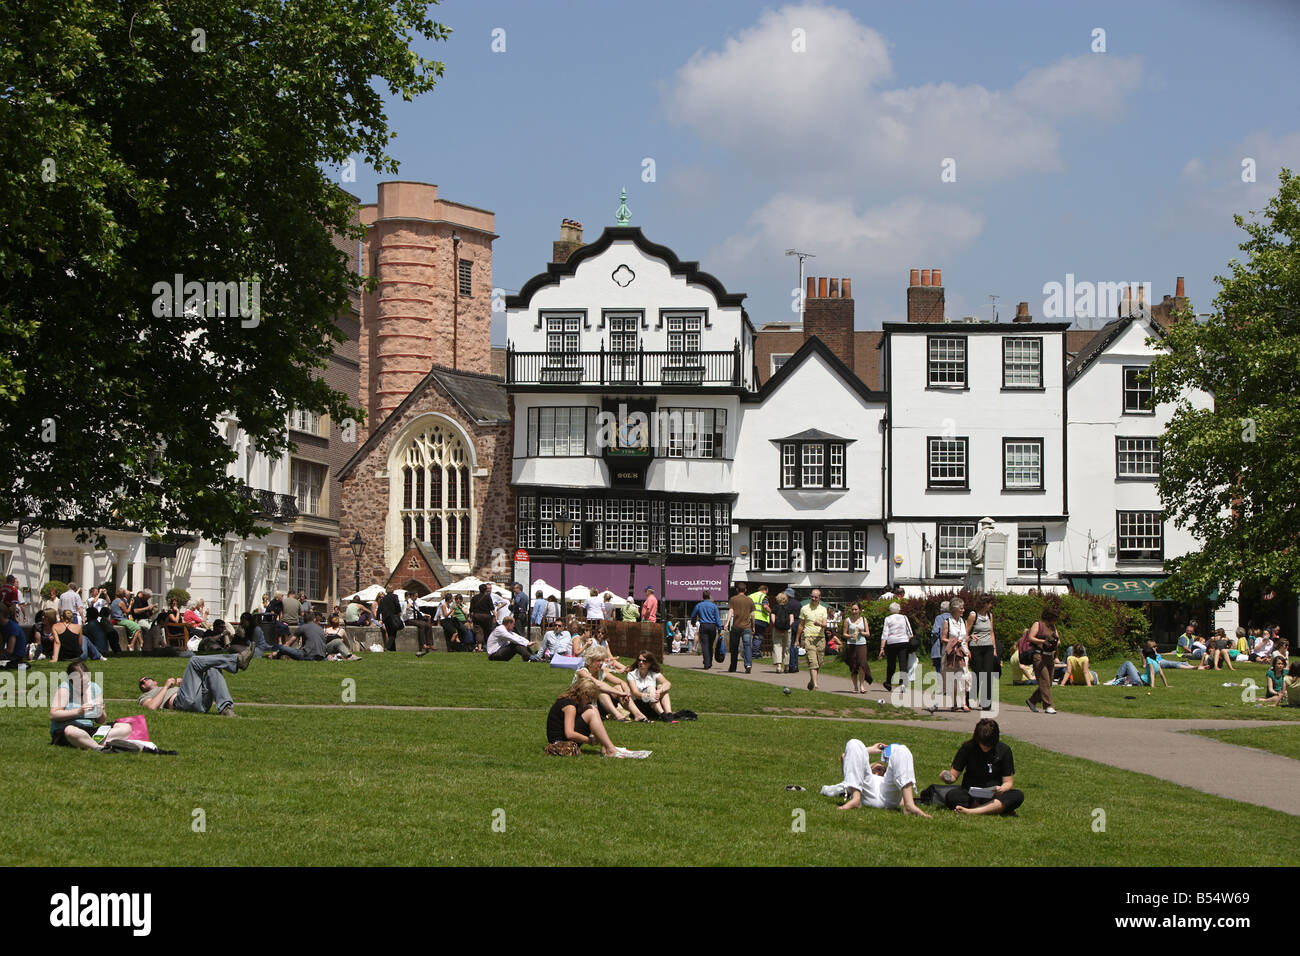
{"x":481,"y":397}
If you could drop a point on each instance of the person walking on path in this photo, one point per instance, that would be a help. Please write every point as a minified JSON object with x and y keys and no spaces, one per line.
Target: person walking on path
{"x":705,"y":614}
{"x":856,"y":631}
{"x":983,"y":651}
{"x":895,"y":642}
{"x":650,"y":607}
{"x":956,"y":658}
{"x":762,"y":618}
{"x":740,"y":626}
{"x":782,"y":618}
{"x":812,"y":634}
{"x":936,"y":632}
{"x":1044,"y":638}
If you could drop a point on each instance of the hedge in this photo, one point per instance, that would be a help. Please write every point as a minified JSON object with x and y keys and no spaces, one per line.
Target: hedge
{"x":1104,"y":626}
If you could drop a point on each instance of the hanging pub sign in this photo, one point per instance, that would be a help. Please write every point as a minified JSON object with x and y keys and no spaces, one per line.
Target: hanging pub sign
{"x":626,"y":437}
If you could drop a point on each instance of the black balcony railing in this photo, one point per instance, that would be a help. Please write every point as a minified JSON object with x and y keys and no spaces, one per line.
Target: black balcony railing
{"x":624,"y":368}
{"x":270,"y":504}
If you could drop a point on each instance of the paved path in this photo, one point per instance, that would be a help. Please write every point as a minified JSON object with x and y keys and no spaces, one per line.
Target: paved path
{"x":1159,"y":748}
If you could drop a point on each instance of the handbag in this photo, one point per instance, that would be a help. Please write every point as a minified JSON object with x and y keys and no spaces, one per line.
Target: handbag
{"x":720,"y":650}
{"x":566,"y":661}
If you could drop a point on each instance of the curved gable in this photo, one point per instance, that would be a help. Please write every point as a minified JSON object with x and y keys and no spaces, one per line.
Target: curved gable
{"x":690,"y":271}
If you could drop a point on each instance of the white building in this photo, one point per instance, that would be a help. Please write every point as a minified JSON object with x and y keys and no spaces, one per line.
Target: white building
{"x":977,"y":416}
{"x":810,"y":489}
{"x":1117,"y":540}
{"x":627,"y":367}
{"x":230,"y":576}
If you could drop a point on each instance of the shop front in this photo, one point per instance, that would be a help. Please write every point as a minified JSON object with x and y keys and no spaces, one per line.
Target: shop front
{"x":1168,"y":618}
{"x":679,"y":586}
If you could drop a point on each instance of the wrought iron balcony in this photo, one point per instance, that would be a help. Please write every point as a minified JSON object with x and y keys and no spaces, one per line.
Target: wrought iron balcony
{"x":270,"y":504}
{"x":624,"y":368}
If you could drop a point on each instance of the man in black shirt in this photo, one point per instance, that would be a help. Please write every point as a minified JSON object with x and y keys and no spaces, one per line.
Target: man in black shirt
{"x":989,"y":765}
{"x":390,"y":615}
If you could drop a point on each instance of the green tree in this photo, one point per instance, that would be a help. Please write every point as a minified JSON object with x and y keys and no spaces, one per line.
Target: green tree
{"x":145,"y":139}
{"x":1229,"y":473}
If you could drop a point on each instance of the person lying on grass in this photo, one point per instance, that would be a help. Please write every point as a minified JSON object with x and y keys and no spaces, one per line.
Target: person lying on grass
{"x":1130,"y":676}
{"x":612,"y":690}
{"x":886,"y":786}
{"x":201,"y":686}
{"x":649,"y":688}
{"x":990,"y":769}
{"x":574,"y":720}
{"x":78,"y":708}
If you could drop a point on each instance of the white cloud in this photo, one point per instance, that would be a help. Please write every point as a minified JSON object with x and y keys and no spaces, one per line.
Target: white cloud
{"x":880,"y":241}
{"x":830,"y":112}
{"x":1212,"y":190}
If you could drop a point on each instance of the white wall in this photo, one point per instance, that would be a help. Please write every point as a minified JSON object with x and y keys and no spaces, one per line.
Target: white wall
{"x":812,"y":397}
{"x":984,"y":414}
{"x":1096,"y":419}
{"x":592,"y":287}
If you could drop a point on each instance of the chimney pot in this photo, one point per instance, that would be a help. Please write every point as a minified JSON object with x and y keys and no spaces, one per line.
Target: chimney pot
{"x":915,"y":277}
{"x":811,"y":291}
{"x":936,"y":277}
{"x":925,"y":277}
{"x":846,"y":290}
{"x":835,"y":288}
{"x":821,"y":287}
{"x":1178,"y":288}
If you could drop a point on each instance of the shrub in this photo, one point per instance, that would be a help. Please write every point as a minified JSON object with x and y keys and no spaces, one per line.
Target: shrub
{"x":52,"y":589}
{"x":1104,"y":626}
{"x":180,"y":595}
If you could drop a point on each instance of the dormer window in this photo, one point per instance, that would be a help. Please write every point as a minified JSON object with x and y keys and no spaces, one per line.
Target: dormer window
{"x":814,"y":459}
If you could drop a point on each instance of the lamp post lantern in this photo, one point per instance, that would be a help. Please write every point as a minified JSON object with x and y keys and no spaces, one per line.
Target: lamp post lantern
{"x":1039,"y":548}
{"x":357,"y":544}
{"x":563,"y":528}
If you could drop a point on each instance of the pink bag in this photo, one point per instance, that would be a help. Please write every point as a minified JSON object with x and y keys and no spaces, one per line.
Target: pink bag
{"x":566,"y":661}
{"x":139,"y":728}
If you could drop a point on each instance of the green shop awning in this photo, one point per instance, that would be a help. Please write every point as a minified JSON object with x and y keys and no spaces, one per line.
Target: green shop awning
{"x":1119,"y":587}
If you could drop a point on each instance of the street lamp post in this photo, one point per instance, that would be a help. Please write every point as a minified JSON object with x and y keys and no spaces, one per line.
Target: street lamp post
{"x":563,"y":528}
{"x":1039,"y":548}
{"x":357,"y":544}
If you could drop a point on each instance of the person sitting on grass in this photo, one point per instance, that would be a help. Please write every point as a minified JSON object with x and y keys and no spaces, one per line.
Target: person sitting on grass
{"x":99,"y":632}
{"x":1078,"y":669}
{"x":886,"y":786}
{"x":990,"y":770}
{"x":201,"y":686}
{"x":503,"y":643}
{"x":1130,"y":676}
{"x":1291,"y":686}
{"x":1222,"y":651}
{"x":613,"y":691}
{"x":1262,"y":650}
{"x":78,"y":708}
{"x":70,"y":644}
{"x":556,"y":640}
{"x":574,"y":720}
{"x":1274,"y":679}
{"x":649,"y":687}
{"x":337,"y":642}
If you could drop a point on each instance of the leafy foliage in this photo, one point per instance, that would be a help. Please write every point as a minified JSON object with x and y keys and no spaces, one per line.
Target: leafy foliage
{"x":149,"y":139}
{"x":1228,"y":472}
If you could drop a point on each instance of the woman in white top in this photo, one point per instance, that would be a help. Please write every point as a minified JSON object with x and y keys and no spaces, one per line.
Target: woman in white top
{"x":856,"y":632}
{"x":956,"y":657}
{"x":896,"y":641}
{"x":594,"y":607}
{"x":649,"y":689}
{"x":692,"y":635}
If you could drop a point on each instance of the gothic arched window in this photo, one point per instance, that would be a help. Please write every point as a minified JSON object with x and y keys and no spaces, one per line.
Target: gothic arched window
{"x":436,"y":491}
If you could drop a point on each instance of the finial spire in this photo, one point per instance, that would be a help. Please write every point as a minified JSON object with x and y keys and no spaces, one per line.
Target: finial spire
{"x":624,"y":215}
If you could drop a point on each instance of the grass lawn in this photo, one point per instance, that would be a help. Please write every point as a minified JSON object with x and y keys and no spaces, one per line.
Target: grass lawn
{"x":1191,"y":693}
{"x":1278,"y":740}
{"x":347,"y":785}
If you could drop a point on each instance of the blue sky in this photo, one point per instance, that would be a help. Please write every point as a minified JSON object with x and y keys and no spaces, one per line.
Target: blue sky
{"x":1115,"y":166}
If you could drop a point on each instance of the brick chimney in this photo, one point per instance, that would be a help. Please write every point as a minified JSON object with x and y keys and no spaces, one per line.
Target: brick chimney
{"x":925,"y":296}
{"x":829,"y":316}
{"x":570,"y":241}
{"x":1163,"y":311}
{"x":1022,"y":313}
